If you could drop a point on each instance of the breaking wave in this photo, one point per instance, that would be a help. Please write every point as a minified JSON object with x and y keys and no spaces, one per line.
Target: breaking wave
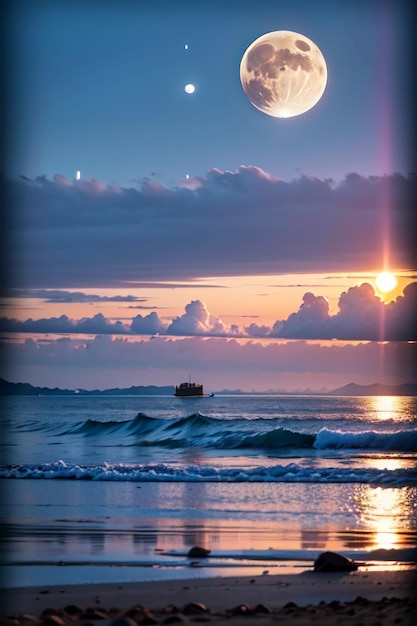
{"x":200,"y":431}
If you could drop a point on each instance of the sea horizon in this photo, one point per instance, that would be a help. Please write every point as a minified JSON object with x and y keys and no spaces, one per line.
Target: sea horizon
{"x":352,"y":388}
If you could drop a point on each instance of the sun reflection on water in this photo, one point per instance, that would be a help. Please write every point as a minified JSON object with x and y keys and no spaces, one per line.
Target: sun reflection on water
{"x":386,"y":406}
{"x":390,"y":463}
{"x":393,"y":408}
{"x":385,"y":511}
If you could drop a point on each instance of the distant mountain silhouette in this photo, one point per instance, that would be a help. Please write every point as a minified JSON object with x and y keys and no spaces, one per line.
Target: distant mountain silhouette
{"x":376,"y":389}
{"x":25,"y":389}
{"x":352,"y":389}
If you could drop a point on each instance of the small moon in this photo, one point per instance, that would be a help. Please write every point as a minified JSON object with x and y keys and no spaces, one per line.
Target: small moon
{"x":190,"y":88}
{"x":283,"y":73}
{"x":78,"y":175}
{"x":186,"y":46}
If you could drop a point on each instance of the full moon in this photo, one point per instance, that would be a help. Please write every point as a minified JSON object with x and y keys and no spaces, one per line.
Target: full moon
{"x":283,"y":73}
{"x":386,"y":282}
{"x":190,"y":88}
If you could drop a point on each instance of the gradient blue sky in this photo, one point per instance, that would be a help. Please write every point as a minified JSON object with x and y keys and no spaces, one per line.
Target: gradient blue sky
{"x":99,"y":88}
{"x":204,"y":235}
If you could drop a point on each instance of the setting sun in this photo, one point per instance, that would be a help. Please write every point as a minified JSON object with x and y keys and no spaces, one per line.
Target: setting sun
{"x":386,"y":282}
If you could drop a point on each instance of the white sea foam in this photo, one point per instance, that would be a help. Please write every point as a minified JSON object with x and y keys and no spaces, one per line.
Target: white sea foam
{"x":405,"y":440}
{"x":291,"y":473}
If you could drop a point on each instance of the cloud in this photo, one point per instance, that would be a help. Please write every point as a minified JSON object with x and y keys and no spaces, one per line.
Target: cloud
{"x":198,"y":321}
{"x":228,"y":223}
{"x":147,"y":325}
{"x":64,"y":325}
{"x":63,"y":296}
{"x":221,"y":363}
{"x":254,"y":330}
{"x":361,"y":316}
{"x":308,"y":321}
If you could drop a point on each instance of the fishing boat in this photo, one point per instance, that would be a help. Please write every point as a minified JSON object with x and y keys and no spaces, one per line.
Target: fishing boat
{"x":191,"y":390}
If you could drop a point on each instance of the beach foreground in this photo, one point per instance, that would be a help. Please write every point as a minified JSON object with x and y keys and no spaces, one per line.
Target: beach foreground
{"x":361,"y":597}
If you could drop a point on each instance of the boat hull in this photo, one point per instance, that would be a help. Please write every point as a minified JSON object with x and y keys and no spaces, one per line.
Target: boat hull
{"x":191,"y":397}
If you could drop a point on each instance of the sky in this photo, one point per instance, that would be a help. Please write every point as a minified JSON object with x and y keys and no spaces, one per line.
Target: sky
{"x":152,"y":233}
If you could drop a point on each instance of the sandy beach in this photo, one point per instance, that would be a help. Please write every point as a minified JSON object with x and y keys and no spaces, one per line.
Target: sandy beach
{"x":361,"y":597}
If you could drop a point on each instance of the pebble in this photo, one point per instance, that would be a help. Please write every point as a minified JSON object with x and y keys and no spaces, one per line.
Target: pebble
{"x":195,"y":608}
{"x":387,"y":611}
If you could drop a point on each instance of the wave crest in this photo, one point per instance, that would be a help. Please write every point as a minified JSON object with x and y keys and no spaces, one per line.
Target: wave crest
{"x":162,"y":472}
{"x":200,"y":431}
{"x":404,"y":440}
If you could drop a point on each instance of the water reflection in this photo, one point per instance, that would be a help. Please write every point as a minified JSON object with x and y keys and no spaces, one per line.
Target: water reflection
{"x":386,"y":514}
{"x":391,"y":407}
{"x":390,"y":463}
{"x":385,"y":406}
{"x":128,"y":522}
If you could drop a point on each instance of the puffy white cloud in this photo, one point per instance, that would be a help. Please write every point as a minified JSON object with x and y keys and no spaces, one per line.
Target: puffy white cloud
{"x":361,"y":316}
{"x":64,"y":325}
{"x":197,"y":321}
{"x":254,"y":330}
{"x":308,"y":322}
{"x":147,"y":325}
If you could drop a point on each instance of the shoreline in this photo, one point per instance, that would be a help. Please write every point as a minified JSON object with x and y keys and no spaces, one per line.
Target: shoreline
{"x":391,"y":593}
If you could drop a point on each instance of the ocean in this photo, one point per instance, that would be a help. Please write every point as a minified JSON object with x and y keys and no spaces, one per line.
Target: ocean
{"x":119,"y":488}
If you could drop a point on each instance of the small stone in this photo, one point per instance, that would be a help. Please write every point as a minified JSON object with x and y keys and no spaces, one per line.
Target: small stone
{"x":361,"y":600}
{"x":195,"y":608}
{"x":93,"y":614}
{"x":28,"y":617}
{"x":198,"y":553}
{"x":73,"y":610}
{"x":290,"y":605}
{"x":135,"y":611}
{"x":171,"y":608}
{"x":333,"y":562}
{"x":52,"y":620}
{"x":334,"y":604}
{"x":241,"y":609}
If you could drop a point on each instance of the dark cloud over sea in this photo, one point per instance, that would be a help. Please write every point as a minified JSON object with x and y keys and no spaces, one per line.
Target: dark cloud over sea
{"x":87,"y":234}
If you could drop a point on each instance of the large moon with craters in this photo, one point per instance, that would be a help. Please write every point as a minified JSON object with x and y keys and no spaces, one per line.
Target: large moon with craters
{"x":283,"y":73}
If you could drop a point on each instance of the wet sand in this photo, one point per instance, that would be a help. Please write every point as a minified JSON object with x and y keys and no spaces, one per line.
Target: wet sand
{"x":361,"y":597}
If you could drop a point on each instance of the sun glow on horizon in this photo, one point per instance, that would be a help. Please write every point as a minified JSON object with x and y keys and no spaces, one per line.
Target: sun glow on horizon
{"x":386,"y":282}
